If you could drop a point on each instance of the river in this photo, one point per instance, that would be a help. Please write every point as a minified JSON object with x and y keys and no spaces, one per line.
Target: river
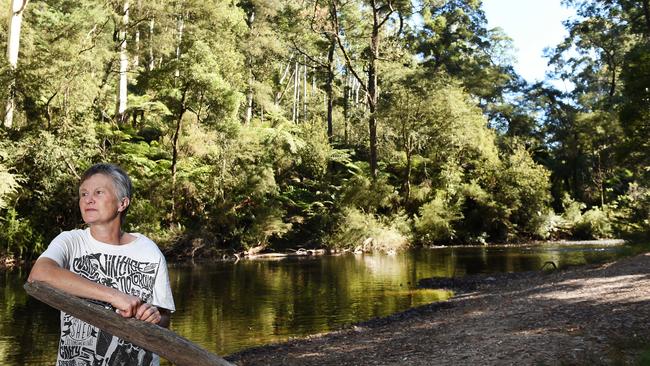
{"x":226,"y":307}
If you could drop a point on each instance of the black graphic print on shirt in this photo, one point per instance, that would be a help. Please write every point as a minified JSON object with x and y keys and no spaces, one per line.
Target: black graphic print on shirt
{"x":84,"y":344}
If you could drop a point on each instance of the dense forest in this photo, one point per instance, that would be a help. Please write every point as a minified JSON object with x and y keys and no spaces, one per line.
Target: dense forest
{"x":362,"y":124}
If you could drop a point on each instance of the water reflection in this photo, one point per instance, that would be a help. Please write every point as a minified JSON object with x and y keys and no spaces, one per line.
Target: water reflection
{"x":269,"y":301}
{"x":28,"y":328}
{"x":226,"y":307}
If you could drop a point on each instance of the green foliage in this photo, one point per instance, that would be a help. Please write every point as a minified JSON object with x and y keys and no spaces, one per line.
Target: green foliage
{"x":65,"y":46}
{"x":635,"y":111}
{"x":369,"y":196}
{"x":316,"y":152}
{"x":455,"y":39}
{"x":481,"y":220}
{"x":594,"y":224}
{"x":435,"y":222}
{"x":644,"y":358}
{"x":548,"y":225}
{"x":633,"y":214}
{"x":18,"y":236}
{"x":366,"y":232}
{"x":9,"y":185}
{"x":597,"y":132}
{"x":218,"y":161}
{"x":51,"y":164}
{"x":578,"y":223}
{"x":572,"y":210}
{"x":522,"y":193}
{"x":266,"y":222}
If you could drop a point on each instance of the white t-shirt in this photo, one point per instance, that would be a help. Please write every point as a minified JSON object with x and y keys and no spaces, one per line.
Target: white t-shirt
{"x":137,"y":268}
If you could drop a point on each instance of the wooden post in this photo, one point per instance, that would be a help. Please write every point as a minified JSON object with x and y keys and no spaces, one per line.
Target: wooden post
{"x":154,"y":338}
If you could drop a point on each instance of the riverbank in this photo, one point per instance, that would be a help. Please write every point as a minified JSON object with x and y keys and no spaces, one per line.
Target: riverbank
{"x":586,"y":315}
{"x":198,"y":254}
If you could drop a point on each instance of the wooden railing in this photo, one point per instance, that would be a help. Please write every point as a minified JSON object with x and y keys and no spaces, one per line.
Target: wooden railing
{"x":154,"y":338}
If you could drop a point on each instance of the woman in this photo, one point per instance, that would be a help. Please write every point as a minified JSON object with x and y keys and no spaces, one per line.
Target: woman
{"x":124,"y":271}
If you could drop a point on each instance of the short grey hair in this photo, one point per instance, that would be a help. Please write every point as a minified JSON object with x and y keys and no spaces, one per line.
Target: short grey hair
{"x":121,"y":181}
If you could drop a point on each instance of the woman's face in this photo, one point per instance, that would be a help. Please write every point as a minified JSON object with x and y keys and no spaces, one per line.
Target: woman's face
{"x":98,"y":200}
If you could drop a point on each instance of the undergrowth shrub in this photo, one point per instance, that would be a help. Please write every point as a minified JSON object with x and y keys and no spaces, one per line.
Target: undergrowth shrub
{"x":435,"y":220}
{"x":633,"y":215}
{"x":548,"y":224}
{"x":370,"y":196}
{"x":18,"y":237}
{"x":521,"y":194}
{"x":594,"y":224}
{"x":365,"y":231}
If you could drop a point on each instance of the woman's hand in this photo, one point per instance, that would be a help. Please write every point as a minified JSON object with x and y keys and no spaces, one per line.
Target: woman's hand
{"x":125,"y":304}
{"x":131,"y":306}
{"x":148,"y":313}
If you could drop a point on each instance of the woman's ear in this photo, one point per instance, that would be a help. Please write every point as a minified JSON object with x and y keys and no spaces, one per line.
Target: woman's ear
{"x":124,"y":203}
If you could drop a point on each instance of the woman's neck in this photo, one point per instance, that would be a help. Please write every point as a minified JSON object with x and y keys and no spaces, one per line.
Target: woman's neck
{"x":111,"y":234}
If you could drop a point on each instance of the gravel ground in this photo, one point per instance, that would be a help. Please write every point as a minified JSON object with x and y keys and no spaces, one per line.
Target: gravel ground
{"x":590,"y":315}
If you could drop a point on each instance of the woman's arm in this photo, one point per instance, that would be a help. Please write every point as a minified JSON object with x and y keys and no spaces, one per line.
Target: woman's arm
{"x":48,"y":271}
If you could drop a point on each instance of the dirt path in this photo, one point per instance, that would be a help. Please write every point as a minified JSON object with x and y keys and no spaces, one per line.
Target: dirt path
{"x":592,"y":315}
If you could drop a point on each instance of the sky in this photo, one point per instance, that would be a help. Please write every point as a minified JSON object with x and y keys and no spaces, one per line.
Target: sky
{"x":533,"y":25}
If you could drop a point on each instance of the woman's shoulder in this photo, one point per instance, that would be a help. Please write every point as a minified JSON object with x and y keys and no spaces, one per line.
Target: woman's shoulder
{"x":144,"y":242}
{"x":71,"y":235}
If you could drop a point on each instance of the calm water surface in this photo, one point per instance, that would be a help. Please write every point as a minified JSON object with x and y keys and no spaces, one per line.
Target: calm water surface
{"x":227,"y":307}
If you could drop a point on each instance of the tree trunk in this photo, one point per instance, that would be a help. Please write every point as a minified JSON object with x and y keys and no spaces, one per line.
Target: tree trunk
{"x":152,"y":61}
{"x":357,"y":88}
{"x":601,"y":181}
{"x":296,"y":93}
{"x":248,"y":116}
{"x":136,"y":57}
{"x":177,"y":132}
{"x":407,"y":178}
{"x":611,"y":63}
{"x":329,"y":88}
{"x":380,"y":14}
{"x":124,"y":66}
{"x":13,"y":45}
{"x":180,"y":30}
{"x":182,"y":108}
{"x":279,"y":94}
{"x":249,"y":97}
{"x":373,"y":94}
{"x":304,"y":90}
{"x":347,"y":96}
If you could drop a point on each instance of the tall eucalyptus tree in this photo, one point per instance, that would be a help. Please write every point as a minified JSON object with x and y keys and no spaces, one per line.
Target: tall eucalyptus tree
{"x":193,"y":82}
{"x":263,"y":44}
{"x":454,"y":38}
{"x":385,"y":19}
{"x":121,"y":40}
{"x":313,"y":37}
{"x":596,"y":57}
{"x":13,"y":45}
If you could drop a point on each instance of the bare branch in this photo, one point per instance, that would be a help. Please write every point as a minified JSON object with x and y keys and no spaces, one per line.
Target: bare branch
{"x":312,"y":59}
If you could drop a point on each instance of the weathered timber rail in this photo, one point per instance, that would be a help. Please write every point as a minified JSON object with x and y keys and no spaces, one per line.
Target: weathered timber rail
{"x":154,"y":338}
